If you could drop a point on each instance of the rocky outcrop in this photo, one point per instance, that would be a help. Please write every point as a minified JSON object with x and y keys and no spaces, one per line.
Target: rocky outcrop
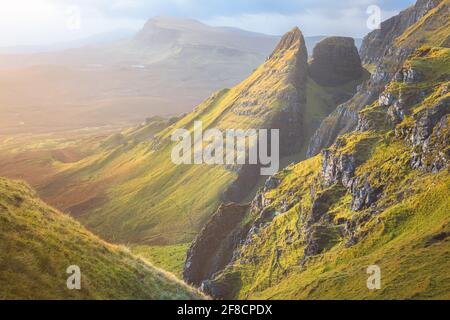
{"x":301,"y":213}
{"x":335,"y":62}
{"x":377,"y":49}
{"x":340,"y":121}
{"x":363,"y":194}
{"x":430,"y":138}
{"x":290,"y":117}
{"x":378,"y":43}
{"x":213,"y":248}
{"x":338,"y":168}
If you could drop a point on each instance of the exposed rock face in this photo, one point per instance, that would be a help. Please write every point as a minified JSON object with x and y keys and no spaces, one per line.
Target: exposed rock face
{"x":292,"y":114}
{"x":342,"y":120}
{"x":335,"y":62}
{"x":378,"y":49}
{"x":378,"y":43}
{"x":365,"y":172}
{"x":363,"y":195}
{"x":213,"y":248}
{"x":427,"y":120}
{"x":430,"y":137}
{"x":289,"y":119}
{"x":338,"y":169}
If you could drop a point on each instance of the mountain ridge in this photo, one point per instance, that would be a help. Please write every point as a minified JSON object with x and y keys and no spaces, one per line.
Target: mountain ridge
{"x":378,"y":195}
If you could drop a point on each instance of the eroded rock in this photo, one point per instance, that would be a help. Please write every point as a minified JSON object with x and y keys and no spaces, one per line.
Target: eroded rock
{"x":335,"y":62}
{"x":213,"y":248}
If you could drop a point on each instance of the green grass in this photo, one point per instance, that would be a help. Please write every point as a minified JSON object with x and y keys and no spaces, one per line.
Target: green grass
{"x":38,"y":244}
{"x":170,"y":258}
{"x":409,"y":269}
{"x":396,"y":242}
{"x":432,"y":29}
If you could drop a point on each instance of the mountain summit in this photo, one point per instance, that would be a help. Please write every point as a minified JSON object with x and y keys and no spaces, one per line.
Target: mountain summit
{"x":175,"y":34}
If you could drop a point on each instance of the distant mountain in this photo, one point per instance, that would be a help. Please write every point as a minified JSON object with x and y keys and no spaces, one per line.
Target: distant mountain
{"x":171,"y":65}
{"x":94,"y":40}
{"x":38,"y":244}
{"x":168,"y":67}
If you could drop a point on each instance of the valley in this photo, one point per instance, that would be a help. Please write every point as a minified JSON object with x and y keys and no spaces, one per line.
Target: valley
{"x":363,"y":164}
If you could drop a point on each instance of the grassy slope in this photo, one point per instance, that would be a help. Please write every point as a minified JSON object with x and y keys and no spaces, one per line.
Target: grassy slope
{"x":430,"y":29}
{"x":414,"y":209}
{"x":170,"y":258}
{"x":38,"y":243}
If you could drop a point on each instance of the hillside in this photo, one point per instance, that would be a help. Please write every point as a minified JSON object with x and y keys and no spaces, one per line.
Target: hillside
{"x":38,"y":244}
{"x":379,"y":195}
{"x":128,"y":189}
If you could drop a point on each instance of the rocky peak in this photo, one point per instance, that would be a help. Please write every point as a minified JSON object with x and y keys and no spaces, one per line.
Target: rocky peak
{"x":381,"y":50}
{"x":292,"y":49}
{"x":280,"y":81}
{"x":292,"y":40}
{"x":335,"y":61}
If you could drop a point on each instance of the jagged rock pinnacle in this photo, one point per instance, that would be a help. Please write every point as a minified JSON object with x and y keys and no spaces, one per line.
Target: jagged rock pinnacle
{"x":289,"y":41}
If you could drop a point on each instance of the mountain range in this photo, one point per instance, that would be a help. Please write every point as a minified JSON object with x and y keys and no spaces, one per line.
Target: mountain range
{"x":364,"y":177}
{"x":170,"y":65}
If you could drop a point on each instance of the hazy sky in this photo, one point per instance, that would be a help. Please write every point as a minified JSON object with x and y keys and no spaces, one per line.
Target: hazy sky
{"x":36,"y":22}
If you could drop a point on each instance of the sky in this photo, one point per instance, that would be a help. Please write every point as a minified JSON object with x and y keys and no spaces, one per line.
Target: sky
{"x":43,"y":22}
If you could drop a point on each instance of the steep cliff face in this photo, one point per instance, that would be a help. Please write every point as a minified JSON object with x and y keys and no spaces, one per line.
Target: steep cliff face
{"x":378,"y":43}
{"x":335,"y":61}
{"x":379,"y":195}
{"x":287,"y":63}
{"x":213,"y":248}
{"x":386,"y":49}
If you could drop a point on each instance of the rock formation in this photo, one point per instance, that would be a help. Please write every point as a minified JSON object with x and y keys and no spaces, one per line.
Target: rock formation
{"x":380,"y":49}
{"x":213,"y":248}
{"x":335,"y":61}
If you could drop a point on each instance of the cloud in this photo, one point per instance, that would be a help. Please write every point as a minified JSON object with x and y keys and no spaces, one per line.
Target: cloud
{"x":345,"y":22}
{"x":346,"y":17}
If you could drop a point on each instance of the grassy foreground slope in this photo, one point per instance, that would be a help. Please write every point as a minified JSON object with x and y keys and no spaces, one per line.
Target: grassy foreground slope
{"x":379,"y":196}
{"x":38,"y":244}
